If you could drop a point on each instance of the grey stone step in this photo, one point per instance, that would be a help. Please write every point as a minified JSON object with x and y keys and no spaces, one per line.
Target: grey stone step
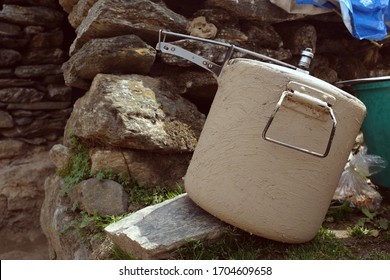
{"x":156,"y":231}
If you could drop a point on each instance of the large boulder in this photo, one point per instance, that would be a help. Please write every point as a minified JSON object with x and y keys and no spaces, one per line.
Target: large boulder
{"x":80,"y":11}
{"x":25,"y":16}
{"x":149,"y":169}
{"x":58,"y":224}
{"x":261,"y":10}
{"x":68,"y":5}
{"x":126,"y":54}
{"x":101,"y":197}
{"x":109,"y":18}
{"x":135,"y":112}
{"x":22,"y":177}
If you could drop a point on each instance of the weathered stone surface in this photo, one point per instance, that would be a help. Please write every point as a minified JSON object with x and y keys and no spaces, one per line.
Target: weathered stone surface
{"x":59,"y":155}
{"x":7,"y":29}
{"x":56,"y":222}
{"x":44,"y":56}
{"x":218,"y":17}
{"x":22,"y":185}
{"x":67,"y":5}
{"x":37,"y":71}
{"x":379,"y":73}
{"x":13,"y":42}
{"x":79,"y":12}
{"x":39,"y":106}
{"x":263,"y":35}
{"x":54,"y":79}
{"x":123,"y":54}
{"x":22,"y":95}
{"x":261,"y":10}
{"x":33,"y":30}
{"x":54,"y":114}
{"x":320,"y":68}
{"x":231,"y":34}
{"x":197,"y":86}
{"x":58,"y":92}
{"x":136,"y":112}
{"x":108,"y":18}
{"x":45,"y":3}
{"x":41,"y":16}
{"x":6,"y":120}
{"x":10,"y":148}
{"x":3,"y":208}
{"x":6,"y":73}
{"x":8,"y":83}
{"x":149,"y":169}
{"x":297,"y":36}
{"x":155,"y":231}
{"x":9,"y":57}
{"x":21,"y":113}
{"x":349,"y":68}
{"x":39,"y":127}
{"x":23,"y":121}
{"x":199,"y":27}
{"x":101,"y":197}
{"x":50,"y":39}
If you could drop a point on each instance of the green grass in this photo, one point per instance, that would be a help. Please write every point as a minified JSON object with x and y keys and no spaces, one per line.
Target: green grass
{"x":238,"y":245}
{"x":325,"y":246}
{"x":118,"y":254}
{"x":369,"y":238}
{"x":77,"y":168}
{"x":141,"y":196}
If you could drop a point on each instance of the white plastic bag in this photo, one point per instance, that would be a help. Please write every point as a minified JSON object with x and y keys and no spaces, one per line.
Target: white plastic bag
{"x":354,"y":185}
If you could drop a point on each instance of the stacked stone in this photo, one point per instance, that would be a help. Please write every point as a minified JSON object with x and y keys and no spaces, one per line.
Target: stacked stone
{"x":34,"y":101}
{"x":142,"y":112}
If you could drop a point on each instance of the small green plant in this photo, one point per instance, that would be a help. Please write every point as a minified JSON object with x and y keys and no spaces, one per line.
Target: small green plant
{"x":118,"y":254}
{"x":86,"y":225}
{"x":98,"y":223}
{"x":141,"y":196}
{"x":371,"y":225}
{"x":362,"y":232}
{"x":78,"y":166}
{"x":339,"y":212}
{"x":122,"y":178}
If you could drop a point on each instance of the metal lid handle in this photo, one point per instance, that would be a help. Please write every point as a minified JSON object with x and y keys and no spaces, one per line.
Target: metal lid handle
{"x":303,"y":98}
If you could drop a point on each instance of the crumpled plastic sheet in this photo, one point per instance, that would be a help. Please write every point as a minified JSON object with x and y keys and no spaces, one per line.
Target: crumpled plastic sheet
{"x":364,"y":19}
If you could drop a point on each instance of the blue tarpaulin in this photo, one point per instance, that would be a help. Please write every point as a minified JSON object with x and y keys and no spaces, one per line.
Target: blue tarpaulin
{"x":365,"y":19}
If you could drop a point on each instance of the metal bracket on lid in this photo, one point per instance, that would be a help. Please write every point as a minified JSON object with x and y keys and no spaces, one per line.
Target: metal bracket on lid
{"x":197,"y":59}
{"x":216,"y":69}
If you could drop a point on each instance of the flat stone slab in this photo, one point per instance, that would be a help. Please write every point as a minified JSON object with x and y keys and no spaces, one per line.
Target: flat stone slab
{"x":156,"y":231}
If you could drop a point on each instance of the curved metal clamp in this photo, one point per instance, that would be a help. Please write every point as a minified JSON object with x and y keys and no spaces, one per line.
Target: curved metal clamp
{"x":303,"y":98}
{"x":216,"y":69}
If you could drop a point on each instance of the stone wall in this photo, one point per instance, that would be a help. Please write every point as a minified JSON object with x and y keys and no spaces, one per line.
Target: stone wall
{"x":34,"y":107}
{"x":140,"y":112}
{"x":34,"y":102}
